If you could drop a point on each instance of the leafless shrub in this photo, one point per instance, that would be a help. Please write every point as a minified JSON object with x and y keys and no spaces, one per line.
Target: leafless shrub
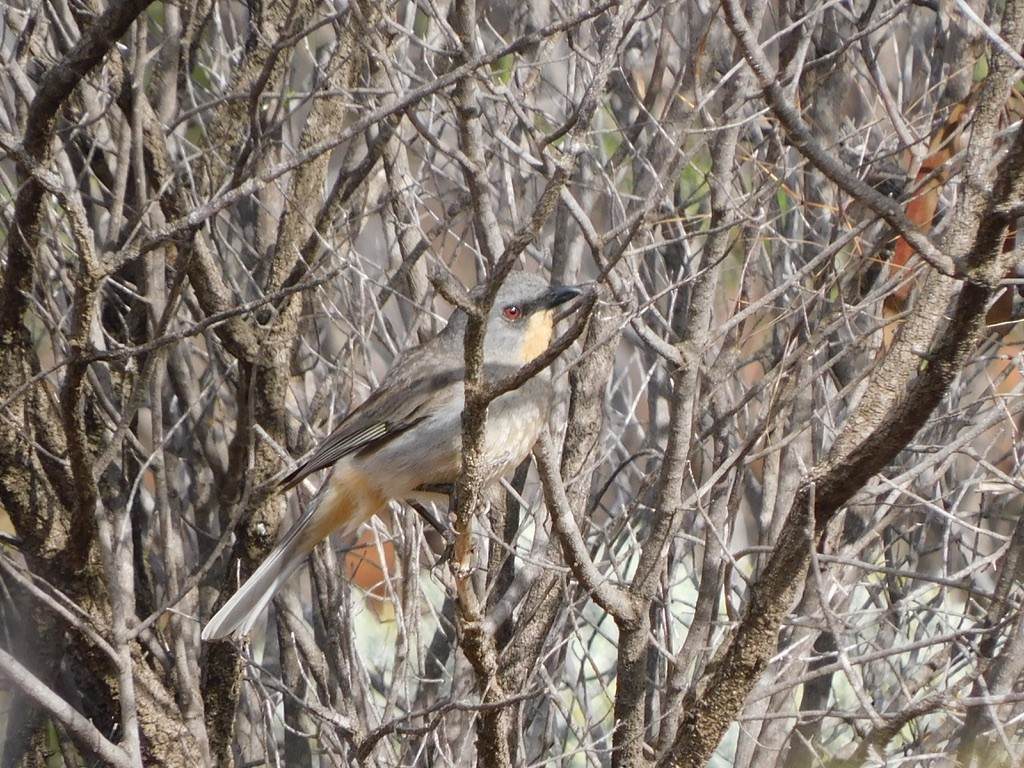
{"x":777,"y":519}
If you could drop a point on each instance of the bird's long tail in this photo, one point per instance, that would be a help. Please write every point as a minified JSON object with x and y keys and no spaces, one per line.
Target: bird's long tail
{"x":239,"y":614}
{"x":329,"y":511}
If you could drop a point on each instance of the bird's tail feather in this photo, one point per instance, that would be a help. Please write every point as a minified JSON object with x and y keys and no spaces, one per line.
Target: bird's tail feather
{"x":240,"y":613}
{"x":329,"y":511}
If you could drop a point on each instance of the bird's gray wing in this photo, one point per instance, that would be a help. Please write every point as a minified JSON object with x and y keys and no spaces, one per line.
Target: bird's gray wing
{"x":406,"y":396}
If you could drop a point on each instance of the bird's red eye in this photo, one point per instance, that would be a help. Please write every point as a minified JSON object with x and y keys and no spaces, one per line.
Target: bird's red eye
{"x":512,"y":312}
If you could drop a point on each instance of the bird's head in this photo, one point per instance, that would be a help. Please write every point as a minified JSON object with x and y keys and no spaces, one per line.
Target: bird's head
{"x":522,"y":319}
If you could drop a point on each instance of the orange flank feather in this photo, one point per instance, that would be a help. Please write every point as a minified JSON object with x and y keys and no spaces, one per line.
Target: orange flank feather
{"x":349,"y":501}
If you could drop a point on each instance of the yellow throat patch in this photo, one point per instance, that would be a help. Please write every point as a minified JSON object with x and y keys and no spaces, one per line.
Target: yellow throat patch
{"x":539,"y":328}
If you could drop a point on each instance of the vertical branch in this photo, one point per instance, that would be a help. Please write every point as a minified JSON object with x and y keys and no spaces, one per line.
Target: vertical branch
{"x":683,"y":422}
{"x":90,"y":520}
{"x":471,"y":137}
{"x":477,"y":642}
{"x":181,"y":630}
{"x":1006,"y":665}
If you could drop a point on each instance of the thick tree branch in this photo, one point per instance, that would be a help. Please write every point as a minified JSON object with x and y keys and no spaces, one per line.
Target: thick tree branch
{"x":87,"y":735}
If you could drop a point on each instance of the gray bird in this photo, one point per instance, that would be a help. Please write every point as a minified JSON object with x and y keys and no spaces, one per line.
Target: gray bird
{"x":407,"y":435}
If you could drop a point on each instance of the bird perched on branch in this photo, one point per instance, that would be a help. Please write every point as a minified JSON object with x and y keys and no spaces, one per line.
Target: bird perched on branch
{"x":407,"y":435}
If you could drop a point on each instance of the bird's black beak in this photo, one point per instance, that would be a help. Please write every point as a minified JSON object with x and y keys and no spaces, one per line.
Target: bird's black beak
{"x":557,"y":295}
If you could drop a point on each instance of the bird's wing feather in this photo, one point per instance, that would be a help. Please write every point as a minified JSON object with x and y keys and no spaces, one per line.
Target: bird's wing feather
{"x":398,"y":405}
